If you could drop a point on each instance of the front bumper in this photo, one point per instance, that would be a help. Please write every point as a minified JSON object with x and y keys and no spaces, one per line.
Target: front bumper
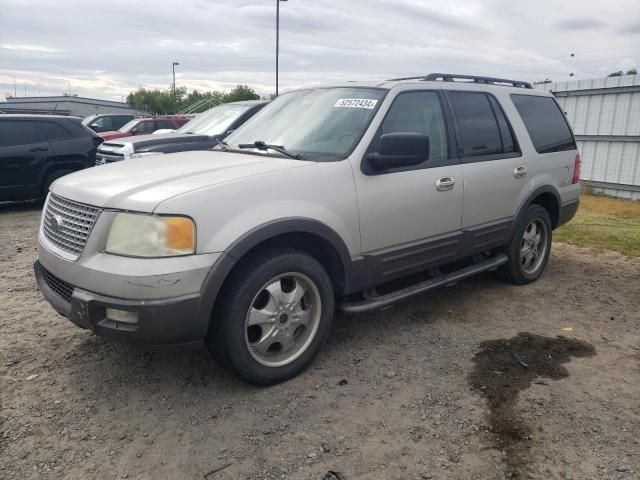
{"x":177,"y":323}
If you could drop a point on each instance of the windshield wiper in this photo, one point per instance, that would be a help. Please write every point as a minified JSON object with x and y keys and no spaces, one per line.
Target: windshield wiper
{"x":222,"y":144}
{"x":260,"y":145}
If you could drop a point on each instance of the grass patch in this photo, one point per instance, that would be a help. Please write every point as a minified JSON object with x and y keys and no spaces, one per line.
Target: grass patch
{"x":604,"y":223}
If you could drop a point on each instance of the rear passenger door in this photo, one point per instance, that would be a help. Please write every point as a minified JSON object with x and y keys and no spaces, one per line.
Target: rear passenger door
{"x":495,"y":171}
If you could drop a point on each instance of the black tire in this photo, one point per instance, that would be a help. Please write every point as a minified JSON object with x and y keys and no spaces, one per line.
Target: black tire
{"x":228,"y":337}
{"x":514,"y":270}
{"x":52,"y":178}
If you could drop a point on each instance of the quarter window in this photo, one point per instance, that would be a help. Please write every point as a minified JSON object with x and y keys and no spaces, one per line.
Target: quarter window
{"x":17,"y":133}
{"x":53,"y":131}
{"x":545,"y":122}
{"x":418,"y":112}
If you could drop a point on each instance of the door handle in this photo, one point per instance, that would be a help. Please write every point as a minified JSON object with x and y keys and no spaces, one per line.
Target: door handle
{"x":520,"y":172}
{"x":39,"y":149}
{"x":445,"y":183}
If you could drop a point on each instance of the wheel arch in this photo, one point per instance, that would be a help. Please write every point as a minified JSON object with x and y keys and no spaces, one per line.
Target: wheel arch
{"x":310,"y":236}
{"x":547,"y":197}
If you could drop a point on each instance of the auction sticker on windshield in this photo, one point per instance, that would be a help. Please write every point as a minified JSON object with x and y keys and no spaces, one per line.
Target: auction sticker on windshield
{"x":356,"y":103}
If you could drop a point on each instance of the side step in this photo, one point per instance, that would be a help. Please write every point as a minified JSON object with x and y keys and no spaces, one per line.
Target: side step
{"x":375,"y":302}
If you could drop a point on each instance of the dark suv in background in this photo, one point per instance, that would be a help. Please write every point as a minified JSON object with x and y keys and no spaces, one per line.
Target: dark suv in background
{"x":35,"y":150}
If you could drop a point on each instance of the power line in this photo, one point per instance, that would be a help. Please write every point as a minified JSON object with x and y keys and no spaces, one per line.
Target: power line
{"x":571,"y":64}
{"x":566,"y":55}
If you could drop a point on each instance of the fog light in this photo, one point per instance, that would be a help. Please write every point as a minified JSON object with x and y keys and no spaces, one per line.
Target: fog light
{"x":122,"y":316}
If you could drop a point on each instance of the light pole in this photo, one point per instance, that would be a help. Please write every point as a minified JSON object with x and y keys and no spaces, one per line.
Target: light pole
{"x":173,"y":69}
{"x":277,"y":38}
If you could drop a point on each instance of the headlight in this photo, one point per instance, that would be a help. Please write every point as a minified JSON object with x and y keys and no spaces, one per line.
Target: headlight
{"x":140,"y":235}
{"x":144,"y":154}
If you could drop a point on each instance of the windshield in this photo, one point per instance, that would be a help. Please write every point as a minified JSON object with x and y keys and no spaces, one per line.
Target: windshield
{"x":88,"y":120}
{"x":214,"y":121}
{"x":128,"y":126}
{"x":321,"y":122}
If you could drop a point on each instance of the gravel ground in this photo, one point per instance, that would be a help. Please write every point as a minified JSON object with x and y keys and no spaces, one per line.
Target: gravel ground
{"x":467,"y":382}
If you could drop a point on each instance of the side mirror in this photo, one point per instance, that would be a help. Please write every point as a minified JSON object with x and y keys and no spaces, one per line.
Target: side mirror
{"x":93,"y":126}
{"x":399,"y":150}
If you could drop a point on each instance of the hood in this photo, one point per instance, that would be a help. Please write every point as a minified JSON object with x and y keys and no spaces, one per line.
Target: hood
{"x":142,"y":183}
{"x":141,"y":142}
{"x":114,"y":134}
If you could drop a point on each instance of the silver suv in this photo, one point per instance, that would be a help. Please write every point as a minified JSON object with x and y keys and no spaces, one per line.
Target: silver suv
{"x":352,"y":197}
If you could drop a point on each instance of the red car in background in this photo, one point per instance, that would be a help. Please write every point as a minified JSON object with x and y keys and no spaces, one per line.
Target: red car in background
{"x":145,"y":126}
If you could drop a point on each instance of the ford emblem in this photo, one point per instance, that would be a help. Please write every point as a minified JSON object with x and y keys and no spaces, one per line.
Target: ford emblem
{"x":56,"y":222}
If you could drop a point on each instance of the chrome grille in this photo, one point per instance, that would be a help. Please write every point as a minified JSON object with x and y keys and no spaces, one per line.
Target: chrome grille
{"x":62,"y":288}
{"x":103,"y":157}
{"x":67,"y":224}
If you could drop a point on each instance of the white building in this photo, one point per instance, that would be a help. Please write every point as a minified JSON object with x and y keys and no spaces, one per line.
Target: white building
{"x":65,"y":105}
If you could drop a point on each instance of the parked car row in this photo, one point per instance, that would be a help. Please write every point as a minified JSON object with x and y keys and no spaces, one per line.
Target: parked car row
{"x":352,"y":196}
{"x":201,"y":133}
{"x":37,"y":149}
{"x":145,"y":126}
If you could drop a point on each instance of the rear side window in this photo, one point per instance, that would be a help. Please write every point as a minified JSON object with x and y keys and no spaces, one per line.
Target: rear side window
{"x":53,"y":131}
{"x":17,"y":133}
{"x":163,"y":124}
{"x":545,"y":122}
{"x":477,"y":123}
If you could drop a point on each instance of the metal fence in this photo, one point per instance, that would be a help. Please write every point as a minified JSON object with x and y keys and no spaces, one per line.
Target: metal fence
{"x":605,"y":116}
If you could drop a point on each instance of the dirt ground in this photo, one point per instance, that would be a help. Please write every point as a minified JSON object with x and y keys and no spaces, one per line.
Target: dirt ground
{"x":469,"y":382}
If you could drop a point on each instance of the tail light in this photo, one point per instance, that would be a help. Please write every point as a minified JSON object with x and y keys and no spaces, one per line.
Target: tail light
{"x":576,"y":170}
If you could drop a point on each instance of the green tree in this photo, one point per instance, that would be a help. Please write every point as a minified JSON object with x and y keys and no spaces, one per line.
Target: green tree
{"x":159,"y":101}
{"x":241,"y":92}
{"x":619,"y":73}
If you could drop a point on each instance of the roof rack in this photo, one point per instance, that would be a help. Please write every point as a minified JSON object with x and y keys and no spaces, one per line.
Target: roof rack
{"x":451,"y":77}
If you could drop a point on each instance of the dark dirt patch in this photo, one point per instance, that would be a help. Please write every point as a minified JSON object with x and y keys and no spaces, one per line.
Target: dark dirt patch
{"x":503,"y":368}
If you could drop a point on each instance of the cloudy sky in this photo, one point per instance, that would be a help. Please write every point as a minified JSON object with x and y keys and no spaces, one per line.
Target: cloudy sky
{"x":108,"y":48}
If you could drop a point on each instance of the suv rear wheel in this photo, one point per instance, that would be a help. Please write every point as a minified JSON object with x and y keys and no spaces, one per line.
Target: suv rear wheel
{"x":276,"y":314}
{"x":530,"y":247}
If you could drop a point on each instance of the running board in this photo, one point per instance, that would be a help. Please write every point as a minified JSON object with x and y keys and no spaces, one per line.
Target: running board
{"x":375,"y":302}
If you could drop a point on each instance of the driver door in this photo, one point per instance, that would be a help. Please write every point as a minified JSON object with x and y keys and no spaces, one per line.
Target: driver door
{"x":410,"y":217}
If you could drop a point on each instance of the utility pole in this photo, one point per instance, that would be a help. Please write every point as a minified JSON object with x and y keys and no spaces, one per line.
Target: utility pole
{"x":277,"y":39}
{"x":173,"y":69}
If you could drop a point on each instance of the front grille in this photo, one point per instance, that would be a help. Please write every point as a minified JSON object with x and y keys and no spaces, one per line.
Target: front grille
{"x":108,"y":156}
{"x":67,"y":224}
{"x":62,"y":288}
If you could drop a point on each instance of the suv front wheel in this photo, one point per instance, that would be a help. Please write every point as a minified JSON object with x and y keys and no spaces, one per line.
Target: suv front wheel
{"x":276,"y":314}
{"x":530,"y":246}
